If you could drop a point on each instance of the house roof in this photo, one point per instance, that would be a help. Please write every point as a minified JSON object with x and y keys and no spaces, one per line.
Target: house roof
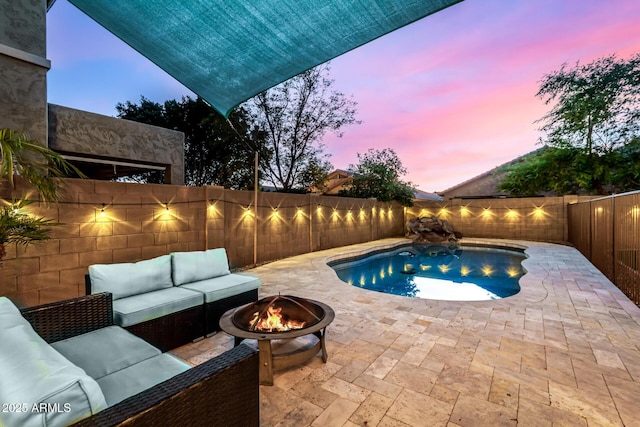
{"x":228,"y":51}
{"x":491,"y":171}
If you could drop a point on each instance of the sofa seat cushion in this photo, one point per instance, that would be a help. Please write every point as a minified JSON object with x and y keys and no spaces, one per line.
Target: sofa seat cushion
{"x":224,"y":286}
{"x":33,"y":374}
{"x":130,"y":381}
{"x":131,"y":278}
{"x":105,"y":350}
{"x":198,"y":265}
{"x":151,"y":305}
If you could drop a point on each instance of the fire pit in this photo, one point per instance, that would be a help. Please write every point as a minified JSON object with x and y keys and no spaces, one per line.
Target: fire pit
{"x":281,"y":317}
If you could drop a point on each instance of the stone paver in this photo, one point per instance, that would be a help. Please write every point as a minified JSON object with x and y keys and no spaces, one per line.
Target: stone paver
{"x":563,"y":351}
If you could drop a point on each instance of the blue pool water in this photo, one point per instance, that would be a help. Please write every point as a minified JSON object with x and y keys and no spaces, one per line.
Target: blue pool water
{"x":442,"y":272}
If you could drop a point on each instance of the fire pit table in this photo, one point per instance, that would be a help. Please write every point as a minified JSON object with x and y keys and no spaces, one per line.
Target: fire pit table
{"x":281,"y":317}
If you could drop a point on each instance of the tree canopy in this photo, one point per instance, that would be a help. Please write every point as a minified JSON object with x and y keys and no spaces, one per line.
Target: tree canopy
{"x":294,"y":117}
{"x":216,"y":151}
{"x":592,"y":131}
{"x":377,"y":174}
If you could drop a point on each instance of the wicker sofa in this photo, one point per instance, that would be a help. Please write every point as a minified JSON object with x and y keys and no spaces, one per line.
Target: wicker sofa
{"x":173,"y":299}
{"x":49,"y":353}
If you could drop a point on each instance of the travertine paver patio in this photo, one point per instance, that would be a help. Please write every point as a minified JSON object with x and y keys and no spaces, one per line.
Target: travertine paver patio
{"x":563,"y":352}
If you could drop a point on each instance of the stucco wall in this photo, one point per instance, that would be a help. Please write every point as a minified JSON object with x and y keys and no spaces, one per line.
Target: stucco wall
{"x":76,"y":131}
{"x":23,"y":67}
{"x":136,"y":226}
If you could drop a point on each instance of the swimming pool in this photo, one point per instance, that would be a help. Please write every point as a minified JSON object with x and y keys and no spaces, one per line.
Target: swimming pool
{"x":442,"y":272}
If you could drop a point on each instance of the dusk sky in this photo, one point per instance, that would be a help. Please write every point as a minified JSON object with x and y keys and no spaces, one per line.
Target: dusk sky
{"x":453,"y":94}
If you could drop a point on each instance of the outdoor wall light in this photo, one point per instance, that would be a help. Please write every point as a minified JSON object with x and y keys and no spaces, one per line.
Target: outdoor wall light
{"x":538,"y":213}
{"x":275,"y":213}
{"x":212,"y":205}
{"x":486,"y":213}
{"x":102,"y":214}
{"x":511,"y":214}
{"x":299,"y":212}
{"x":464,"y":211}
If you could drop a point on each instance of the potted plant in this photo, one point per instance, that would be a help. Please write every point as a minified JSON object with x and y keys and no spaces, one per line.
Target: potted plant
{"x":39,"y":166}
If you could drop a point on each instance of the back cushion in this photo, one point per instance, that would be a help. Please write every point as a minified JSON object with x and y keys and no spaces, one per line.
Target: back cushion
{"x":194,"y":266}
{"x":126,"y":279}
{"x":45,"y":388}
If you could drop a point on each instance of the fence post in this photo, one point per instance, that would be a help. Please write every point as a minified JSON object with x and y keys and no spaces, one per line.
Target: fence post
{"x":613,"y":239}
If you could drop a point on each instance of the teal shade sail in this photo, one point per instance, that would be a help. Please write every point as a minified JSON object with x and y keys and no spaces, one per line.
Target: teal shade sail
{"x":227,"y":51}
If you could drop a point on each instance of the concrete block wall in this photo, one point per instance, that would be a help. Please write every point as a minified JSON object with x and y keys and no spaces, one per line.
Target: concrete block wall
{"x":536,"y":218}
{"x":136,"y":225}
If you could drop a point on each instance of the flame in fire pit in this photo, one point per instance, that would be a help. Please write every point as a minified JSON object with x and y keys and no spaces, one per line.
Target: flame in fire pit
{"x":273,"y":321}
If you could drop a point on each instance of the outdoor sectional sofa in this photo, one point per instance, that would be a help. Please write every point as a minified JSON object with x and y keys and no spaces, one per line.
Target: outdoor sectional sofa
{"x":173,"y":299}
{"x":66,"y":362}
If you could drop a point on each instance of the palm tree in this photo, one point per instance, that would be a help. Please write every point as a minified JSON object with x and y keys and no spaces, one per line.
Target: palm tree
{"x":39,"y":166}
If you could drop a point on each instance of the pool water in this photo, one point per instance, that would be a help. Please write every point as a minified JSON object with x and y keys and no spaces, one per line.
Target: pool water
{"x":441,"y":272}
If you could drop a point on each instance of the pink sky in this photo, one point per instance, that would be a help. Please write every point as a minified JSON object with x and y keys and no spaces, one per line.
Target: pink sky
{"x":452,"y":94}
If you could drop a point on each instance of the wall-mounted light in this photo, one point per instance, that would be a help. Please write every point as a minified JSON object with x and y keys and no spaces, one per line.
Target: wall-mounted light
{"x":166,"y":208}
{"x":275,"y":213}
{"x":212,"y":205}
{"x":538,"y":212}
{"x":464,"y":211}
{"x":102,"y":214}
{"x":511,"y":214}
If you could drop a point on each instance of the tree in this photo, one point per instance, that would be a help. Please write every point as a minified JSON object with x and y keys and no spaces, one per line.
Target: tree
{"x":36,"y":163}
{"x":596,"y":111}
{"x":216,"y":151}
{"x":39,"y":166}
{"x":532,"y":175}
{"x":294,"y":116}
{"x":377,"y":174}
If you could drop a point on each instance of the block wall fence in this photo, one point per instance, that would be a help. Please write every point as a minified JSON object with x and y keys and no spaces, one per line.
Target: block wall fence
{"x":541,"y":219}
{"x":110,"y":222}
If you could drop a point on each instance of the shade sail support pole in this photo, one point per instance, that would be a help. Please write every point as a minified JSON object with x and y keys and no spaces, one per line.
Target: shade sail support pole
{"x":255,"y":204}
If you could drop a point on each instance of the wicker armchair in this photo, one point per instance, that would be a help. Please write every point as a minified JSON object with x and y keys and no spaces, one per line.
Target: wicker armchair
{"x":222,"y":391}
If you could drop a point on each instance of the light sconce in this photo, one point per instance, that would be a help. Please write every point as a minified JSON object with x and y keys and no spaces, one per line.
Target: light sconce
{"x":166,"y":208}
{"x":486,"y":213}
{"x":511,"y":214}
{"x":102,"y":214}
{"x":212,"y":205}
